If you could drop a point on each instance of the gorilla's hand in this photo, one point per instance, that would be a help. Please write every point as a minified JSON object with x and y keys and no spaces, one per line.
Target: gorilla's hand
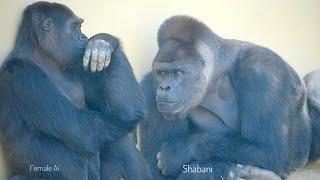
{"x":99,"y":51}
{"x":250,"y":172}
{"x":172,"y":157}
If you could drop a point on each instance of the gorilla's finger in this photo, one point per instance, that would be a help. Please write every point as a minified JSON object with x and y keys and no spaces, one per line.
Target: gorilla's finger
{"x":240,"y":166}
{"x":94,"y":59}
{"x":159,"y":155}
{"x":86,"y":58}
{"x":237,"y":171}
{"x":164,"y":172}
{"x":101,"y":43}
{"x":263,"y":174}
{"x":240,"y":178}
{"x":108,"y":57}
{"x":160,"y":164}
{"x":101,"y":59}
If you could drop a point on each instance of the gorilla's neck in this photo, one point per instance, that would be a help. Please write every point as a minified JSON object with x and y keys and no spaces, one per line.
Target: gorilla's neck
{"x":226,"y":52}
{"x":43,"y":59}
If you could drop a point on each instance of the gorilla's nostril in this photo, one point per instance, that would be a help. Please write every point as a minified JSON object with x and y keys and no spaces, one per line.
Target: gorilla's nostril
{"x":166,"y":88}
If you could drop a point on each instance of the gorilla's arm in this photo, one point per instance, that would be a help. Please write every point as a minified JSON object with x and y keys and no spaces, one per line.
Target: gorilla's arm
{"x":265,"y":91}
{"x":115,"y":91}
{"x":154,"y":130}
{"x":47,"y":110}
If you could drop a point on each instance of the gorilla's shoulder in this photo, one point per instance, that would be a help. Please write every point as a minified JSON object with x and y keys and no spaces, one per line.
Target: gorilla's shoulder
{"x":313,"y":85}
{"x":312,"y":77}
{"x":260,"y":60}
{"x":147,"y":86}
{"x":258,"y":64}
{"x":13,"y":64}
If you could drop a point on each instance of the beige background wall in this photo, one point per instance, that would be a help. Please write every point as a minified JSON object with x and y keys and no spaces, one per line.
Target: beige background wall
{"x":289,"y":27}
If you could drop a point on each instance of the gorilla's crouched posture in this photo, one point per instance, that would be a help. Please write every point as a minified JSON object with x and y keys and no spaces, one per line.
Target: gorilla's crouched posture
{"x":229,"y":106}
{"x":55,"y":114}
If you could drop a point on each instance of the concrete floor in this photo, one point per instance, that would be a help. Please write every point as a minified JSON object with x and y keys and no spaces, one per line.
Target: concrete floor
{"x":305,"y":174}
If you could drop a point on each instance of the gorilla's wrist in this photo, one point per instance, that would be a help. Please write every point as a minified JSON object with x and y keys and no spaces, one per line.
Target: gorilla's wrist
{"x":113,"y":41}
{"x":192,"y":150}
{"x":197,"y":147}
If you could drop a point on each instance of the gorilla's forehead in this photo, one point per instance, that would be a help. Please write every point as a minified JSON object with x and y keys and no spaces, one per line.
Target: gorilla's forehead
{"x":61,"y":9}
{"x":173,"y":50}
{"x":59,"y":12}
{"x":173,"y":64}
{"x":186,"y":63}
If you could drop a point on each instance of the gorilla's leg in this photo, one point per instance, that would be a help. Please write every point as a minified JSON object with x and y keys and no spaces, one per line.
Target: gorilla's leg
{"x":228,"y":171}
{"x":220,"y":171}
{"x":41,"y":151}
{"x":122,"y":160}
{"x":251,"y":172}
{"x":111,"y":167}
{"x":20,"y":177}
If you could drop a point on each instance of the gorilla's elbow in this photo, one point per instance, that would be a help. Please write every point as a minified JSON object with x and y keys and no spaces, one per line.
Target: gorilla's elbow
{"x":275,"y":163}
{"x":135,"y":117}
{"x":130,"y":117}
{"x":136,"y":112}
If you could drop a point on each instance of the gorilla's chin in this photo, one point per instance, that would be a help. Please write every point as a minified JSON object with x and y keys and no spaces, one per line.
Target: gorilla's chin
{"x":167,"y":107}
{"x":172,"y":111}
{"x":75,"y":58}
{"x":174,"y":116}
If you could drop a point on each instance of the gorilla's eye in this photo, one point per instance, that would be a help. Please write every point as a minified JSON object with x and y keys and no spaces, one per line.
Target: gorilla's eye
{"x":178,"y":72}
{"x":76,"y":25}
{"x":161,"y":73}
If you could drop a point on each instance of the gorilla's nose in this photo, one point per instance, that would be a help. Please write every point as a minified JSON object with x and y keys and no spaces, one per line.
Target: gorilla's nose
{"x":83,"y":40}
{"x":166,"y":88}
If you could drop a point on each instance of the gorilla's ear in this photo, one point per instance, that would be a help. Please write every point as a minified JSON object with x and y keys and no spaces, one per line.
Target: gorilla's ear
{"x":47,"y":24}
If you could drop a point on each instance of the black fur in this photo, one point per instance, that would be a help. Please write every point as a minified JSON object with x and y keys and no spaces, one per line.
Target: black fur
{"x":41,"y":126}
{"x":274,"y":131}
{"x":312,"y":81}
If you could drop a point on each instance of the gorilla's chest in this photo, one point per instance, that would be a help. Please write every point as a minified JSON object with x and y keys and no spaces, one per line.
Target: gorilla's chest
{"x":219,"y":109}
{"x":71,"y":88}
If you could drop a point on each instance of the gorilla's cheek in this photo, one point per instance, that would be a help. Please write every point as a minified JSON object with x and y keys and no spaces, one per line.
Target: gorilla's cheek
{"x":166,"y":105}
{"x":72,"y":54}
{"x":172,"y":103}
{"x":70,"y":50}
{"x":78,"y":53}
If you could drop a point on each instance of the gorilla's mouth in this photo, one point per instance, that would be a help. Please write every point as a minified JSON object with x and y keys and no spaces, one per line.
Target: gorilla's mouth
{"x":82,"y":45}
{"x":166,"y":102}
{"x":167,"y":106}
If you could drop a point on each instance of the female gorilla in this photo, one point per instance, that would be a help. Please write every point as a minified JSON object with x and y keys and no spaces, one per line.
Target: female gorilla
{"x":54,"y":114}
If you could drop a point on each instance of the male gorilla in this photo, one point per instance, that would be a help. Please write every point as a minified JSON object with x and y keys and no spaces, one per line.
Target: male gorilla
{"x":53,"y":113}
{"x":226,"y":104}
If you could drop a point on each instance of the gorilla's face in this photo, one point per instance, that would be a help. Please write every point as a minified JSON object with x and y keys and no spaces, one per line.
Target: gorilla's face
{"x":72,"y":41}
{"x":180,"y":79}
{"x":63,"y":39}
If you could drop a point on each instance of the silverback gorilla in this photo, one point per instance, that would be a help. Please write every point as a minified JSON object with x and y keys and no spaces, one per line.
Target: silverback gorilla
{"x":226,"y":105}
{"x":56,"y":114}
